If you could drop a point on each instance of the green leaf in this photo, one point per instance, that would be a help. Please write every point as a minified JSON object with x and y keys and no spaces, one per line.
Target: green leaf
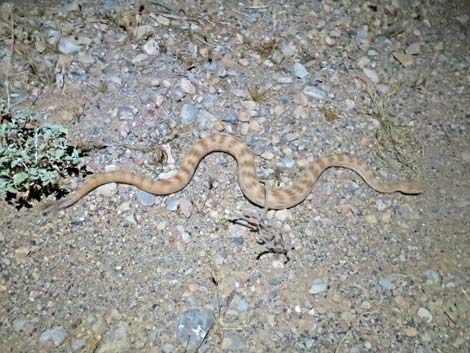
{"x":19,"y":178}
{"x":59,"y":154}
{"x":14,"y":163}
{"x":11,"y":189}
{"x":31,"y":158}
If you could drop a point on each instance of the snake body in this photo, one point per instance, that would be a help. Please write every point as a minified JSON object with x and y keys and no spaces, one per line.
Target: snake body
{"x":251,"y":187}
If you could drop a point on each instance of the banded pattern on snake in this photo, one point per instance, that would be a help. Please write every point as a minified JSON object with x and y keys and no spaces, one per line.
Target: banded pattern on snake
{"x":251,"y":187}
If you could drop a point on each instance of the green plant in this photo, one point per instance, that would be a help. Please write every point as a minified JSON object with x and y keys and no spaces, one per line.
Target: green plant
{"x":32,"y":157}
{"x":258,"y":95}
{"x":397,"y":145}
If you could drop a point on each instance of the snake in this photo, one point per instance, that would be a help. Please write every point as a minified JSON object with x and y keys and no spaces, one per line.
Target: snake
{"x":252,"y":188}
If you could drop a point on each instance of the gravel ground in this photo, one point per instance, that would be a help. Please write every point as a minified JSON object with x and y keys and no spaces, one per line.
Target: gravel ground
{"x":123,"y":271}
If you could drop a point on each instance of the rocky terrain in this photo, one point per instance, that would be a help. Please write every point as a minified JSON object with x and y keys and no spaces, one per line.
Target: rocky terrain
{"x":203,"y":270}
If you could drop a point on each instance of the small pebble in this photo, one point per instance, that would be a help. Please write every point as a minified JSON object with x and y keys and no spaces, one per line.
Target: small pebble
{"x":457,"y":343}
{"x":53,"y":337}
{"x":86,"y":59}
{"x":425,"y":315}
{"x":168,"y":348}
{"x":350,"y":104}
{"x":407,"y":212}
{"x":288,"y":49}
{"x":362,"y":33}
{"x":432,"y":277}
{"x":290,"y":137}
{"x":131,"y":219}
{"x":282,"y":78}
{"x":53,"y":36}
{"x":114,"y":79}
{"x":300,"y":71}
{"x":233,"y":342}
{"x":22,"y":252}
{"x":243,"y":62}
{"x":82,"y":40}
{"x":20,"y":324}
{"x":231,"y":118}
{"x":186,"y":207}
{"x":177,"y":94}
{"x":288,"y":162}
{"x":308,"y":343}
{"x":239,"y":240}
{"x":205,"y":119}
{"x":463,"y":19}
{"x":189,"y":114}
{"x":249,"y":105}
{"x":330,"y":41}
{"x":381,"y":205}
{"x":139,"y":58}
{"x":363,"y":62}
{"x":164,"y":21}
{"x":267,"y":155}
{"x":68,"y":46}
{"x":255,"y":126}
{"x":77,"y":344}
{"x":99,"y":325}
{"x":107,"y":190}
{"x":242,"y":305}
{"x":278,"y":110}
{"x":151,"y":47}
{"x":143,"y":31}
{"x":115,"y":339}
{"x":124,"y":128}
{"x":283,"y":215}
{"x":372,"y":75}
{"x":126,"y":112}
{"x":411,"y":331}
{"x":318,"y":285}
{"x":188,"y":87}
{"x":274,"y":281}
{"x":413,"y":48}
{"x":145,"y":198}
{"x":172,"y":204}
{"x":185,"y":236}
{"x":371,"y":219}
{"x":221,"y":71}
{"x":193,"y":325}
{"x":219,"y":260}
{"x":315,"y":92}
{"x":387,"y":283}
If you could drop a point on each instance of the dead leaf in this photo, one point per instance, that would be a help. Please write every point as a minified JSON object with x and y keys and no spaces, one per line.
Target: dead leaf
{"x":405,"y":60}
{"x":330,"y":116}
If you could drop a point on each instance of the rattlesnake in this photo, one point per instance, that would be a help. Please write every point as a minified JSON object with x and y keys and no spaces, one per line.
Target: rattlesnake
{"x":251,"y":187}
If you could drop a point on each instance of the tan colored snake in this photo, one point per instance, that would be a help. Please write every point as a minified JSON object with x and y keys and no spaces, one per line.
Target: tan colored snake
{"x":249,"y":183}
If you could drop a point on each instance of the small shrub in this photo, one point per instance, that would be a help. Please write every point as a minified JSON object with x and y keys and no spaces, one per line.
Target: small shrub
{"x":33,"y":157}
